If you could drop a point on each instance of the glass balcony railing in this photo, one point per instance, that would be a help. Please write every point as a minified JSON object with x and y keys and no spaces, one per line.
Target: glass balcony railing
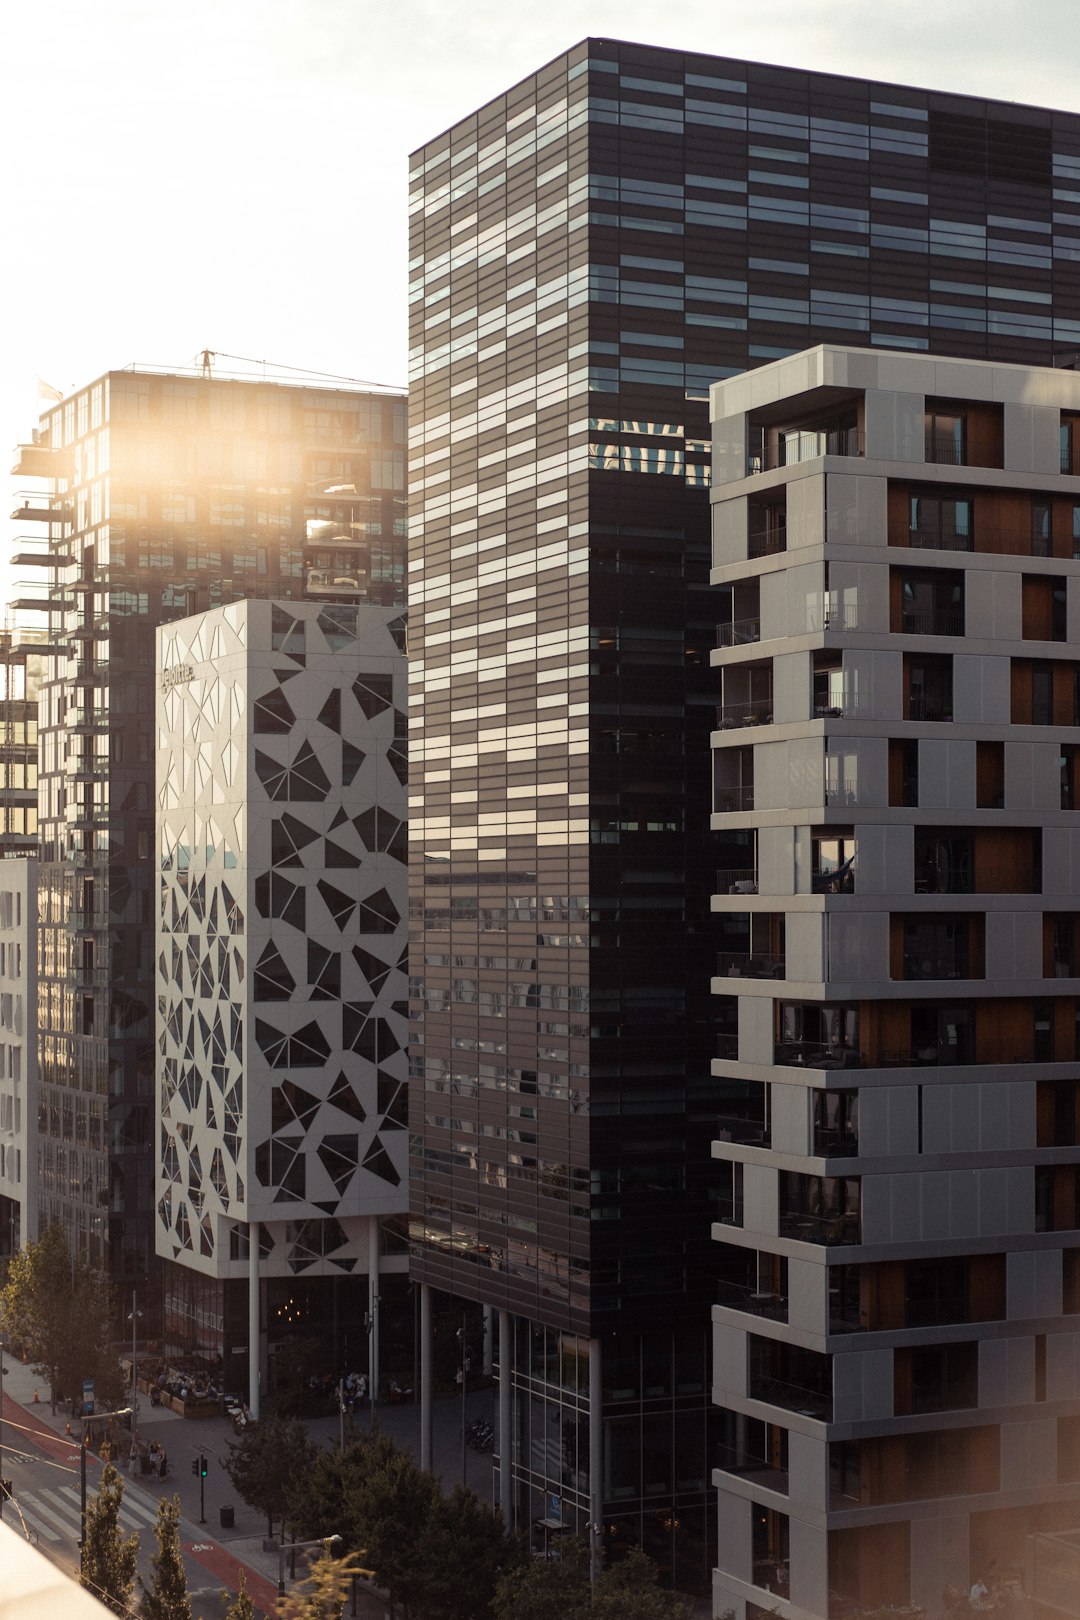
{"x":738,"y":633}
{"x":729,"y":800}
{"x":737,"y":880}
{"x":749,"y":965}
{"x":751,"y":712}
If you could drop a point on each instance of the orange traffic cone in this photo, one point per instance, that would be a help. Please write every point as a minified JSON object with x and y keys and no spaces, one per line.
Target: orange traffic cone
{"x":67,"y":1428}
{"x":37,"y":1399}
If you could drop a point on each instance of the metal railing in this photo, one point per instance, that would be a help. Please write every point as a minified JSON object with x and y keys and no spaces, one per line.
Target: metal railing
{"x":841,"y":881}
{"x":753,"y":1469}
{"x":937,"y":967}
{"x":797,"y":445}
{"x":933,"y":622}
{"x":936,"y":539}
{"x":743,"y":1297}
{"x":840,"y":705}
{"x":753,"y":712}
{"x":749,"y":965}
{"x":768,"y":542}
{"x":840,"y":616}
{"x":813,"y":1403}
{"x":945,"y":450}
{"x":727,"y":1048}
{"x":736,"y":880}
{"x":835,"y":1229}
{"x":738,"y":633}
{"x":835,"y":1142}
{"x":923,"y":706}
{"x":739,"y":1128}
{"x":816,"y":1055}
{"x":729,"y":800}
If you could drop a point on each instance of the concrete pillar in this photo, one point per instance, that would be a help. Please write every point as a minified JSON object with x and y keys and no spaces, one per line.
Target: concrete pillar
{"x":426,"y":1357}
{"x":254,"y":1324}
{"x":373,"y":1304}
{"x":596,"y":1458}
{"x":489,"y":1340}
{"x":506,"y":1441}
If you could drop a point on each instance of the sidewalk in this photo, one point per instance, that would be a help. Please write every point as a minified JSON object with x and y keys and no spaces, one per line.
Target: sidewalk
{"x":222,"y":1553}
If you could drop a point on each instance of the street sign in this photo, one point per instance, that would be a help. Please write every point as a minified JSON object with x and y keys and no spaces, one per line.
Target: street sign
{"x":88,"y":1397}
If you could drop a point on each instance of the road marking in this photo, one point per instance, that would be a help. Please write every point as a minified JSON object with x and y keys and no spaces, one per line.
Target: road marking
{"x":201,"y":1546}
{"x":42,"y":1511}
{"x":129,"y":1515}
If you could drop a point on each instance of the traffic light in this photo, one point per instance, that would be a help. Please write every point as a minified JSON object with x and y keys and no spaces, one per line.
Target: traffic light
{"x":195,"y":1461}
{"x":202,"y":1468}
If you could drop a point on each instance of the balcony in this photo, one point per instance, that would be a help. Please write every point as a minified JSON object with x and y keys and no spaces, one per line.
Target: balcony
{"x":926,"y":538}
{"x":933,"y":622}
{"x":835,"y":1142}
{"x":749,"y":965}
{"x":731,"y":800}
{"x":748,"y":1130}
{"x":929,"y":706}
{"x":841,"y":881}
{"x":833,"y":1229}
{"x":800,"y":1398}
{"x":738,"y":633}
{"x":816,"y":1055}
{"x":839,"y":705}
{"x":742,"y":1297}
{"x":766,"y":542}
{"x":736,"y":880}
{"x":753,"y":1469}
{"x":795,"y":445}
{"x":727,"y":1048}
{"x":752,"y":712}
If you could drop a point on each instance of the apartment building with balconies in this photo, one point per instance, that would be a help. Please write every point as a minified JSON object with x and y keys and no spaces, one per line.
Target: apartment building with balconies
{"x":896,"y":1342}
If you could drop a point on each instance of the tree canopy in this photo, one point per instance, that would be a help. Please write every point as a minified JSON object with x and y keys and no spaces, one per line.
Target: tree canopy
{"x":108,"y":1564}
{"x":560,"y":1589}
{"x":58,"y":1310}
{"x":167,"y":1597}
{"x":269,"y":1466}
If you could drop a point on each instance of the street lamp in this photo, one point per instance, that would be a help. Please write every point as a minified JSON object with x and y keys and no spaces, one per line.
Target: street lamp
{"x":134,"y":1317}
{"x":463,"y":1376}
{"x":370,"y":1324}
{"x":325,"y":1542}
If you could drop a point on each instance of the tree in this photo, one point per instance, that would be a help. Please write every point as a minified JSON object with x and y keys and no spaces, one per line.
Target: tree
{"x":631,"y":1590}
{"x":268,"y":1465}
{"x":108,"y":1564}
{"x":464,"y":1552}
{"x":394,"y":1503}
{"x":546,"y":1588}
{"x":242,"y":1607}
{"x":59,"y":1312}
{"x":167,"y":1598}
{"x":327,"y":1505}
{"x":322,"y":1596}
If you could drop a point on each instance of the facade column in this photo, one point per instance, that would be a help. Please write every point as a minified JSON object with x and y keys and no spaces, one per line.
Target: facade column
{"x":596,"y":1459}
{"x":489,"y":1340}
{"x":506,"y":1442}
{"x":426,"y":1357}
{"x":254,"y":1324}
{"x":373,"y":1306}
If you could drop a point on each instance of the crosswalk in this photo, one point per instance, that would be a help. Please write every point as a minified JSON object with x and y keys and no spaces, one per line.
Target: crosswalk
{"x":56,"y":1514}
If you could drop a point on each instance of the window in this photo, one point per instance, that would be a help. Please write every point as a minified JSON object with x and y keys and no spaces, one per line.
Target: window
{"x":928,"y":686}
{"x":945,"y":438}
{"x":941,"y":521}
{"x":1040,"y":526}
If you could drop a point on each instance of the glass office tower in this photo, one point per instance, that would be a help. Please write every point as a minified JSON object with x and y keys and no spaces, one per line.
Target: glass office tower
{"x":590,"y":251}
{"x":169,"y":494}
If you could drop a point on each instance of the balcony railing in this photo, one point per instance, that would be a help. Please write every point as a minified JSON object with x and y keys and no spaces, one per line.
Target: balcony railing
{"x":748,"y":1132}
{"x":753,"y":712}
{"x":737,"y":880}
{"x":804,"y":1228}
{"x":753,"y":1469}
{"x":757,"y":1302}
{"x":812,"y":1403}
{"x":729,"y":800}
{"x":816,"y":1055}
{"x":727,"y":1048}
{"x":934,"y":539}
{"x":933,"y":622}
{"x":927,"y":706}
{"x":835,"y":1142}
{"x":945,"y":450}
{"x":842,"y":881}
{"x":768,"y":542}
{"x":835,"y":616}
{"x":749,"y":965}
{"x":738,"y":633}
{"x":840,"y":705}
{"x":805,"y":444}
{"x":937,"y":967}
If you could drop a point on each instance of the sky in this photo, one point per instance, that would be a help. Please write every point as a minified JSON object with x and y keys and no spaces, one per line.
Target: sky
{"x":231,"y":174}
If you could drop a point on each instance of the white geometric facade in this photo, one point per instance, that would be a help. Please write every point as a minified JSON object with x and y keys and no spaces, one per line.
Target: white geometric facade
{"x":281,"y":932}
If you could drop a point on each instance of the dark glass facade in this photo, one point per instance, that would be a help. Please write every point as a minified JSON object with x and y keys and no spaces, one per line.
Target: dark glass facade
{"x":590,"y":251}
{"x":172,"y":494}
